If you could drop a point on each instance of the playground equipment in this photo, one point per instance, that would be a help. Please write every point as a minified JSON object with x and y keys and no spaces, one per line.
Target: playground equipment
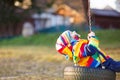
{"x":84,"y":73}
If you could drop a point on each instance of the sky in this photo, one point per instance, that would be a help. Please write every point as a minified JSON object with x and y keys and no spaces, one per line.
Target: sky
{"x":100,"y":4}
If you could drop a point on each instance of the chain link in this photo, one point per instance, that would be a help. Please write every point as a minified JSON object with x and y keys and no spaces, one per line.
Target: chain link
{"x":89,"y":16}
{"x":90,"y":28}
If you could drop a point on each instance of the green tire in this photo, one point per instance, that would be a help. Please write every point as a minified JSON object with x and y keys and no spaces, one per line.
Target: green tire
{"x":83,"y":73}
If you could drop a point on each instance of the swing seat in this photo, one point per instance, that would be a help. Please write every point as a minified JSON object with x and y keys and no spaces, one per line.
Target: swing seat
{"x":83,"y":73}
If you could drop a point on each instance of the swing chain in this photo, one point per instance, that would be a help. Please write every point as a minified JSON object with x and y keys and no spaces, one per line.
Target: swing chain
{"x":90,"y":29}
{"x":89,"y":16}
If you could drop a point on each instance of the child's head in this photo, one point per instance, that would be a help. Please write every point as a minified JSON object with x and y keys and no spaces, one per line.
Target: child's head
{"x":63,"y":44}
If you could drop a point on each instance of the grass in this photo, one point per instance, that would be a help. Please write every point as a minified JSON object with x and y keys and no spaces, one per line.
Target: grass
{"x":32,"y":62}
{"x":109,"y":38}
{"x":106,"y":37}
{"x":38,"y":39}
{"x":37,"y":63}
{"x":35,"y":58}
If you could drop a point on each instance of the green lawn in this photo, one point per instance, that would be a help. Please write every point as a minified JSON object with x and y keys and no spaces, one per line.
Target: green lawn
{"x":108,"y":38}
{"x":35,"y":57}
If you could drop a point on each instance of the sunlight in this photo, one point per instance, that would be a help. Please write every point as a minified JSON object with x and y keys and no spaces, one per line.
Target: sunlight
{"x":25,"y":4}
{"x":100,"y":4}
{"x":17,"y":3}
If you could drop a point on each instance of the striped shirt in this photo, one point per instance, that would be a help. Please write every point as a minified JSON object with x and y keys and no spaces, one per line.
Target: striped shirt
{"x":88,"y":54}
{"x":82,"y":52}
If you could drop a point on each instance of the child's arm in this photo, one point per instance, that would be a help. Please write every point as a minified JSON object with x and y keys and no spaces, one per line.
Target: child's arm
{"x":94,"y":46}
{"x":93,"y":40}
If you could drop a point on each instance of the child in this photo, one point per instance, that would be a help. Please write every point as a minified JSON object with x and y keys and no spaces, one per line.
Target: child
{"x":85,"y":53}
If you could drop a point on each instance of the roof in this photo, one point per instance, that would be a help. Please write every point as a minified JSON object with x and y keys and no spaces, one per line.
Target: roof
{"x":101,"y":12}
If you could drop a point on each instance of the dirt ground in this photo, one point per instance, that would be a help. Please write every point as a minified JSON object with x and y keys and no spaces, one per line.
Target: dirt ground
{"x":36,"y":63}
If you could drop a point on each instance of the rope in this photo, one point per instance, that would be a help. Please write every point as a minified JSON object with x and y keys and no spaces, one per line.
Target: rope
{"x":89,"y":17}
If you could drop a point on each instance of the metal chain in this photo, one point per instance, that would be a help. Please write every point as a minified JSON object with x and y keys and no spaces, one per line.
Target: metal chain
{"x":89,"y":16}
{"x":90,"y":29}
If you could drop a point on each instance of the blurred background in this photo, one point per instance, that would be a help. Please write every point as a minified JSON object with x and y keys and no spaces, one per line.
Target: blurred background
{"x":29,"y":30}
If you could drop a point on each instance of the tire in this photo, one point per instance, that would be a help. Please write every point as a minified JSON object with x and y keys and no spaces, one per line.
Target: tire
{"x":83,"y":73}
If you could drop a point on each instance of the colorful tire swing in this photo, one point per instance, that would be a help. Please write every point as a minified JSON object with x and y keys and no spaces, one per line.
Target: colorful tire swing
{"x":83,"y":73}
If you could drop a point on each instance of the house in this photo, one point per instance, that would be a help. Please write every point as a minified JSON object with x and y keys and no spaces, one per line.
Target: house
{"x":49,"y":20}
{"x":106,"y":18}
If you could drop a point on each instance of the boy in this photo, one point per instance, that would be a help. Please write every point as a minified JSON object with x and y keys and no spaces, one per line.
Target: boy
{"x":85,"y":53}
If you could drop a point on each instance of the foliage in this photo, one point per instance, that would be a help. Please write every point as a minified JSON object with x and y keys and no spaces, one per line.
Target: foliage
{"x":42,"y":5}
{"x":8,"y":12}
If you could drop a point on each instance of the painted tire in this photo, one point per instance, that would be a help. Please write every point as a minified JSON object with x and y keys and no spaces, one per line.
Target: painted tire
{"x":82,"y":73}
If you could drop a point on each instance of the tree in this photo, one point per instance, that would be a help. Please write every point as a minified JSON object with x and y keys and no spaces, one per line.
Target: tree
{"x":40,"y":5}
{"x":7,"y":12}
{"x":11,"y":13}
{"x":9,"y":17}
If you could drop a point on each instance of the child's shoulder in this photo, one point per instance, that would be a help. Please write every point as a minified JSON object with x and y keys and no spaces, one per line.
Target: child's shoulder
{"x":82,"y":41}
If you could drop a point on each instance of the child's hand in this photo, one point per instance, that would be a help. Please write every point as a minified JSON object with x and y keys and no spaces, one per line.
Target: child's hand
{"x":90,"y":35}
